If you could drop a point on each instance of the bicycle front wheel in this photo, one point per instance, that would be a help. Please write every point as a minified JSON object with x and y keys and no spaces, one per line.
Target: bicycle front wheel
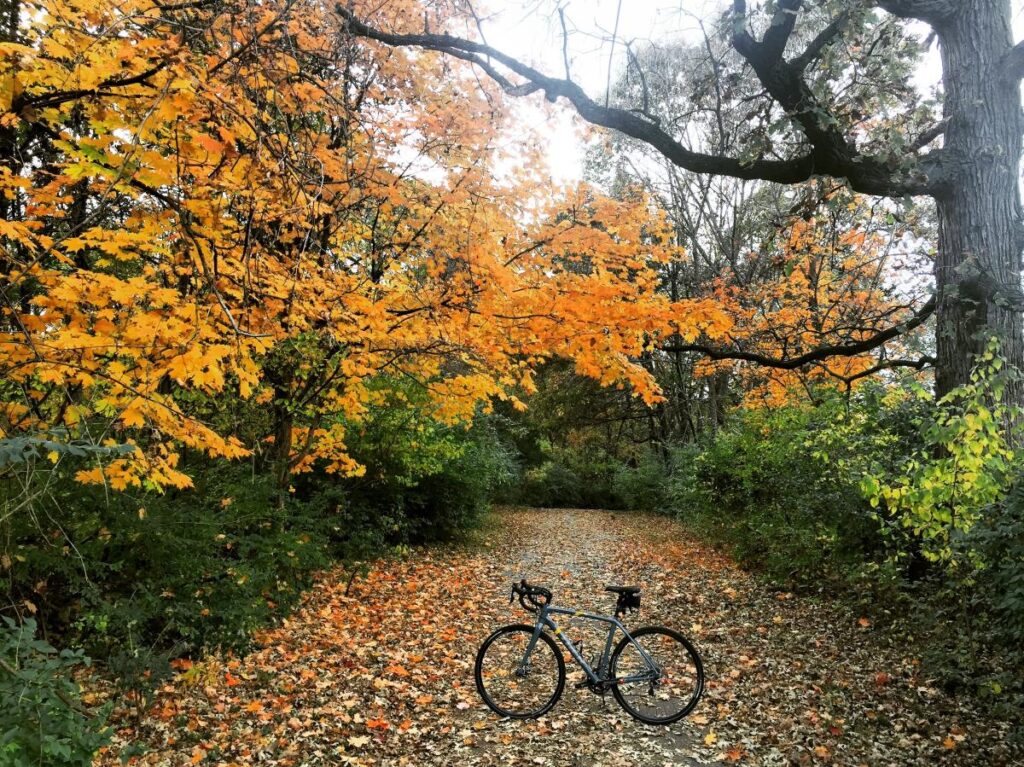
{"x":666,"y":691}
{"x":515,"y":684}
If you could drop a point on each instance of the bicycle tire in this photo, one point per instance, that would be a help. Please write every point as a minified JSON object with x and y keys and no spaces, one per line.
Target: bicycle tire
{"x":479,"y":668}
{"x":698,"y":667}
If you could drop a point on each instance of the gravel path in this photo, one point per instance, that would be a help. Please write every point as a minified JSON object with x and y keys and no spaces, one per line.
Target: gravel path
{"x":383,"y":676}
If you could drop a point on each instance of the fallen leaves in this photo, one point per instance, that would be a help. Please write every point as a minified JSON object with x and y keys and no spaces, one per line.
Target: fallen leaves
{"x":383,"y":676}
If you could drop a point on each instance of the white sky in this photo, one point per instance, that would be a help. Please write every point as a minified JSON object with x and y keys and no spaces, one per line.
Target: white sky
{"x":530,"y":30}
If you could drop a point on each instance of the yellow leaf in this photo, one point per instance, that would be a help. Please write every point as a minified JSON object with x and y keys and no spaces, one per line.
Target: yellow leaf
{"x":132,"y":417}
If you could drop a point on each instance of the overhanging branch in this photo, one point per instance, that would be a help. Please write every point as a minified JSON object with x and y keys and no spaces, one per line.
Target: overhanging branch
{"x":820,"y":354}
{"x":919,"y":364}
{"x":624,"y":121}
{"x":830,"y":154}
{"x":833,"y":152}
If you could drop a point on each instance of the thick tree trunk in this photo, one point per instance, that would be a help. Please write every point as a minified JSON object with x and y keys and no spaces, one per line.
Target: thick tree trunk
{"x":978,"y":266}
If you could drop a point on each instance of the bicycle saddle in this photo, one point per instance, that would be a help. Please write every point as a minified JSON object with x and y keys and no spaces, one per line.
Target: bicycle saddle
{"x":623,"y":589}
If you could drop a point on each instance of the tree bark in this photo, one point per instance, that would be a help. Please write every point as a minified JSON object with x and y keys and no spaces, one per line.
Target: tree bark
{"x":978,"y":265}
{"x":283,"y":425}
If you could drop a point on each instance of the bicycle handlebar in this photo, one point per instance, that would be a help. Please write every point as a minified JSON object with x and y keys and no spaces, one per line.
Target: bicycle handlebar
{"x":537,"y":596}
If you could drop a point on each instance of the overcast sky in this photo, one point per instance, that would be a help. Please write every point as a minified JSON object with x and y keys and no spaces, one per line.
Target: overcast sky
{"x":530,"y":30}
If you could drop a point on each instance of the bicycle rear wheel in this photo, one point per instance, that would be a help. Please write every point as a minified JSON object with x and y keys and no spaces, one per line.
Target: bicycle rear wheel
{"x":662,"y":695}
{"x":513,"y":685}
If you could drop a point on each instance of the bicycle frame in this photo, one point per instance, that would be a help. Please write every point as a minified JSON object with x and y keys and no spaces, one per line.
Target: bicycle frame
{"x":600,"y":675}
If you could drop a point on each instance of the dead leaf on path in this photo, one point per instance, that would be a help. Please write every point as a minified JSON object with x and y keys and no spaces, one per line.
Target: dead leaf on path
{"x":386,"y":671}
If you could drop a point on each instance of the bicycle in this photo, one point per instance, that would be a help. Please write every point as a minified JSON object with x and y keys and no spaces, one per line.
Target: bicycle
{"x":654,"y":673}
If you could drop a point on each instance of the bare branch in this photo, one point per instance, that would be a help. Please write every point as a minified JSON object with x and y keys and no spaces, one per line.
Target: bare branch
{"x":52,"y":99}
{"x":611,"y":55}
{"x":645,"y":110}
{"x":929,"y":135}
{"x":624,"y":121}
{"x":918,"y":364}
{"x":820,"y":354}
{"x":821,"y":41}
{"x":565,"y":42}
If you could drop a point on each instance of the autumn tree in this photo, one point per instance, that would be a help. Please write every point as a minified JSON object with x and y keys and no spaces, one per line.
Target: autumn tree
{"x":237,"y":199}
{"x":829,"y":91}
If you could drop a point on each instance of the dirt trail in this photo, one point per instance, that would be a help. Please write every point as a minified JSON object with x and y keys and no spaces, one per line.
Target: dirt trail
{"x":383,"y":676}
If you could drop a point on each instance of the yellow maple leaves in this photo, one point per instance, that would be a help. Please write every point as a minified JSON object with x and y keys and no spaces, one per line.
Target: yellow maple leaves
{"x":243,"y":201}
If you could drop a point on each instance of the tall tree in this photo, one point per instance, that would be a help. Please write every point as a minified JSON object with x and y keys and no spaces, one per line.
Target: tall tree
{"x":828,"y":85}
{"x":235,"y":199}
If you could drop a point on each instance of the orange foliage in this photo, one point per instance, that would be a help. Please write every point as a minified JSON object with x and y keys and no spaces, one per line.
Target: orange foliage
{"x":829,"y":283}
{"x":245,"y":200}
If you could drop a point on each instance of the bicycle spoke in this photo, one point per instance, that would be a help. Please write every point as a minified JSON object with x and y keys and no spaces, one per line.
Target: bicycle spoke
{"x":515,"y":684}
{"x":662,"y":693}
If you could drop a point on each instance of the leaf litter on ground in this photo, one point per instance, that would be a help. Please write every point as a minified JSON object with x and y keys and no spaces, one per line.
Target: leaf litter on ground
{"x":383,"y":674}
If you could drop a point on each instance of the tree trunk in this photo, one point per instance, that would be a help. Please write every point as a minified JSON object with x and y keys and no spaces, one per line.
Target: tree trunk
{"x":978,"y":266}
{"x":283,"y":420}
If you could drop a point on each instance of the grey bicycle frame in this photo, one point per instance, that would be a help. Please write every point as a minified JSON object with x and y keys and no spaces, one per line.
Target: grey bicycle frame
{"x":601,"y":674}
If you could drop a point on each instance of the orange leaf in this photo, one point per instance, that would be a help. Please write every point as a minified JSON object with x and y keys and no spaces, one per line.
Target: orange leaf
{"x":734,"y":754}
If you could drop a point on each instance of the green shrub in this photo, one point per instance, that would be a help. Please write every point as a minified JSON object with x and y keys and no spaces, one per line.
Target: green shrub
{"x":552,"y":484}
{"x":643,"y":485}
{"x":576,"y":476}
{"x":41,"y":719}
{"x":424,"y":480}
{"x":781,"y":487}
{"x":999,"y":540}
{"x":996,"y":600}
{"x":138,"y":577}
{"x":964,"y":466}
{"x":450,"y":502}
{"x":135,"y":572}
